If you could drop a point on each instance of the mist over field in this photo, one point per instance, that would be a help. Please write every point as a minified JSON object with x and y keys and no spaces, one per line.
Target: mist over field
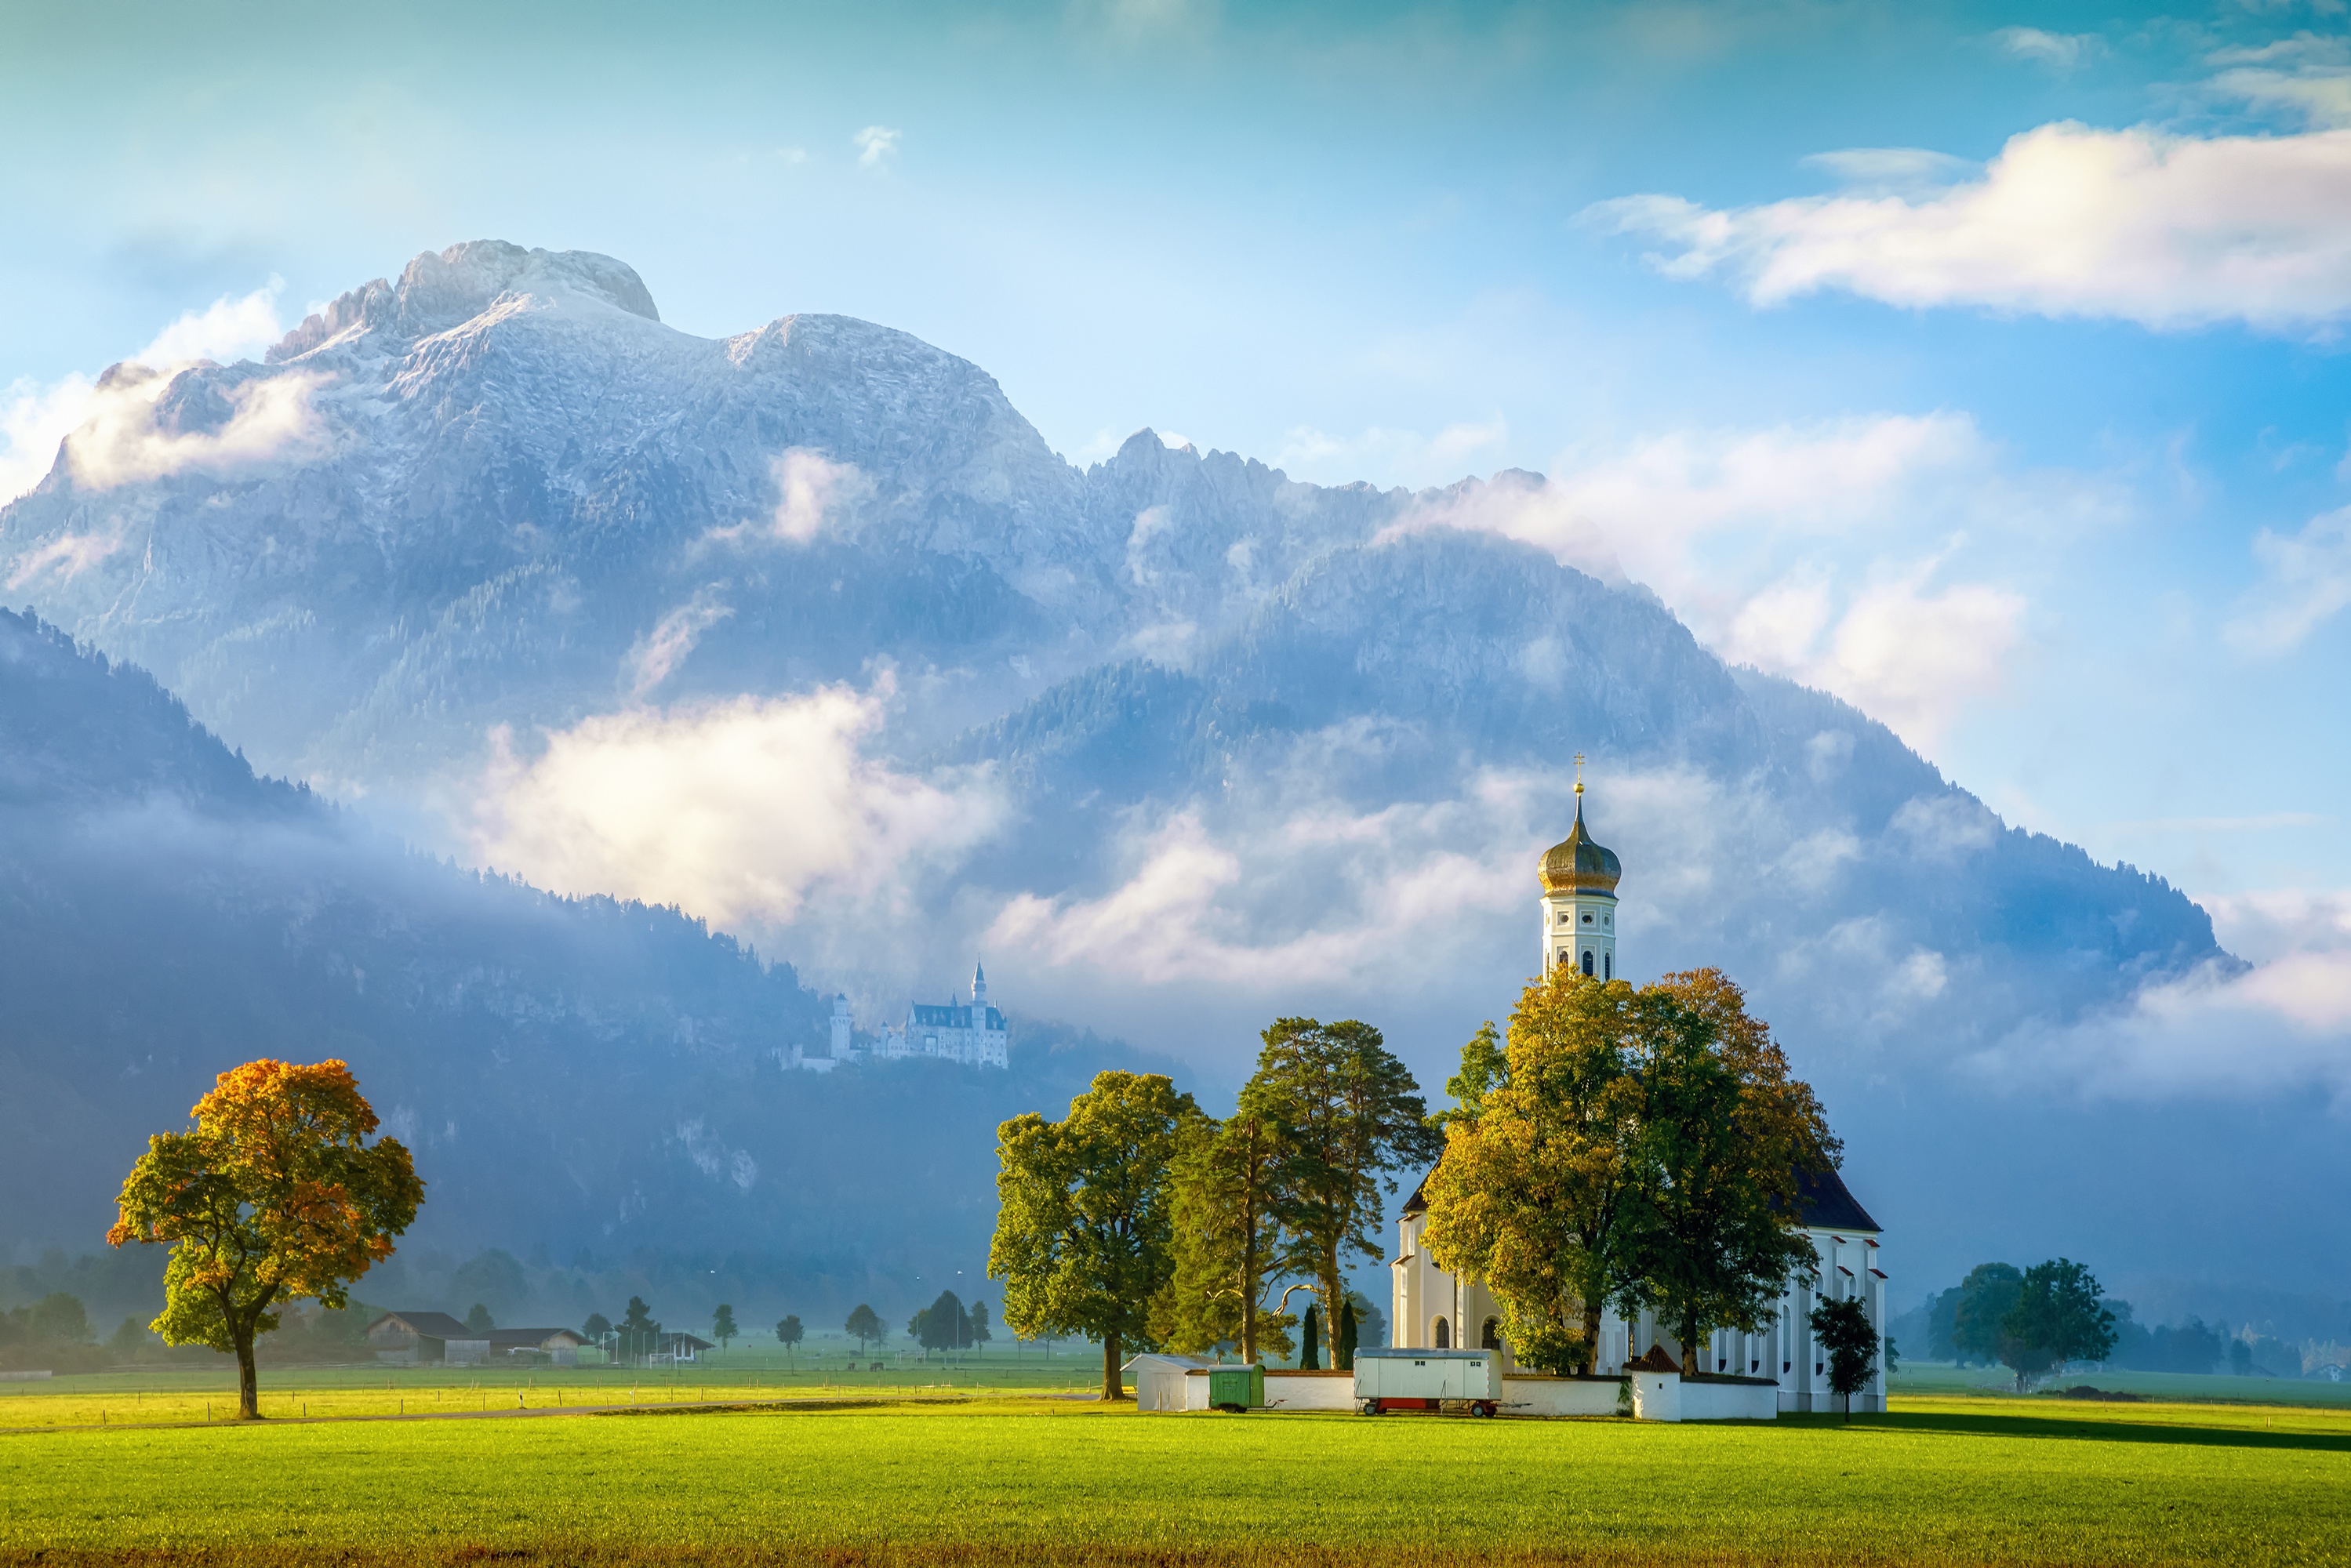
{"x":643,"y":689}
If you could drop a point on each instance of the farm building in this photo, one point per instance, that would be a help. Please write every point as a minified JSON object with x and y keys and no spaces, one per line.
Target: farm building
{"x":1435,"y":1311}
{"x":411,"y":1338}
{"x":561,"y":1344}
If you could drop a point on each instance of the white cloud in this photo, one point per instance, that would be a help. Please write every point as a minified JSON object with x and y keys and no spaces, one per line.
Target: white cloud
{"x":119,"y":441}
{"x":2280,"y":1023}
{"x":226,"y":330}
{"x":1824,"y":552}
{"x":2137,"y":224}
{"x":2306,"y":75}
{"x":1199,"y":904}
{"x":815,"y":496}
{"x":35,"y":419}
{"x":2275,"y":1027}
{"x":2063,"y":50}
{"x":876,"y":143}
{"x":658,"y":653}
{"x":741,"y":809}
{"x":2308,"y":579}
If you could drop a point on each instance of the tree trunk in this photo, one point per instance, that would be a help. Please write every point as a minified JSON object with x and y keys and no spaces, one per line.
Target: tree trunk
{"x":1114,"y":1383}
{"x":1249,"y":1288}
{"x":1593,"y":1358}
{"x":248,"y":1382}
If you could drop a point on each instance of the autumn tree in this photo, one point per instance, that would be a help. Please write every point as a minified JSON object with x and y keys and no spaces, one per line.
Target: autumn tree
{"x":1084,"y":1229}
{"x":1541,"y":1170}
{"x":1227,"y":1234}
{"x":273,"y":1196}
{"x":1347,"y":1116}
{"x":1727,"y":1137}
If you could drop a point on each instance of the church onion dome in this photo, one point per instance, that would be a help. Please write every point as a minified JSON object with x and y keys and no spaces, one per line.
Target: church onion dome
{"x":1576,"y":864}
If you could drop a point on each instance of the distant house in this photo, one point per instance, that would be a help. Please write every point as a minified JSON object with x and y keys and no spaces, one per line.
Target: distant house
{"x":680,"y":1347}
{"x":561,"y":1344}
{"x":411,"y":1338}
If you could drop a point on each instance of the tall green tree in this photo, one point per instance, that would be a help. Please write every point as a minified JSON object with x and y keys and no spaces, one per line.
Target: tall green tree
{"x":1843,"y":1330}
{"x":722,"y":1326}
{"x":1343,"y":1347}
{"x":788,"y":1333}
{"x":1986,"y":1297}
{"x":479,"y":1319}
{"x":1726,"y":1134}
{"x":942,"y":1325}
{"x":640,"y":1335}
{"x":1349,"y":1116}
{"x":864,"y":1326}
{"x":272,"y":1196}
{"x":1228,"y":1234}
{"x":980,"y":1334}
{"x":2059,"y":1316}
{"x":1309,"y":1341}
{"x":1540,"y":1171}
{"x":1084,"y":1227}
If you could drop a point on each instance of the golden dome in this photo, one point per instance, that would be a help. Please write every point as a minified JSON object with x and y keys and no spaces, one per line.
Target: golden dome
{"x":1576,"y":864}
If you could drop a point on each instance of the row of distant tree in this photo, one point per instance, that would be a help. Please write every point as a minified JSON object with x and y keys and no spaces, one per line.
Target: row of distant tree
{"x":1636,"y":1148}
{"x":2035,"y":1321}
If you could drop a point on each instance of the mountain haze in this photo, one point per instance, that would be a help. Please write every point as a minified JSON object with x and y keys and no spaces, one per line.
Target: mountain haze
{"x":808,"y":632}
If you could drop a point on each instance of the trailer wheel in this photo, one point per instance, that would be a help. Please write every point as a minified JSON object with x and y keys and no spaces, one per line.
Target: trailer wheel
{"x":1231,"y":1409}
{"x":1371,"y":1407}
{"x":1482,"y":1407}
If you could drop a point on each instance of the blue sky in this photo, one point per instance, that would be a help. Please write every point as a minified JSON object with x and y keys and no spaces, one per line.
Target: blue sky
{"x":2035,"y":448}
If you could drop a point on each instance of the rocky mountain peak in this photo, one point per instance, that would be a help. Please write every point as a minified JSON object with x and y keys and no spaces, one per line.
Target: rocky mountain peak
{"x":438,"y":290}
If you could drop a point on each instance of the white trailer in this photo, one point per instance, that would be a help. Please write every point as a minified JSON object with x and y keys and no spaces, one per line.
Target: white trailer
{"x":1389,"y":1380}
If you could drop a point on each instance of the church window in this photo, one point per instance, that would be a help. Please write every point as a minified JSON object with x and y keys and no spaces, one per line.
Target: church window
{"x":1607,"y":965}
{"x":1587,"y":961}
{"x":1564,"y":957}
{"x":1442,"y":1334}
{"x":1587,"y":917}
{"x":1491,"y":1337}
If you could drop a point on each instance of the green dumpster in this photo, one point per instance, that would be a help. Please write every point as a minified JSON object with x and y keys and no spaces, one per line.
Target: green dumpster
{"x":1236,"y":1387}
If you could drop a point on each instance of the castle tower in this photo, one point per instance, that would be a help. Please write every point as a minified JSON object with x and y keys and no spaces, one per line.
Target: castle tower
{"x":979,"y":988}
{"x":843,"y":1040}
{"x":1579,"y":902}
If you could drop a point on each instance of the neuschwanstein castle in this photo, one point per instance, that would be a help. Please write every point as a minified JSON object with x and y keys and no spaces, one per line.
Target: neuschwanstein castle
{"x":970,"y":1032}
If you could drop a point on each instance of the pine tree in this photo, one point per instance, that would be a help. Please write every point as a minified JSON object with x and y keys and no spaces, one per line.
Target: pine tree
{"x":722,"y":1326}
{"x":1345,"y":1358}
{"x":1309,"y":1349}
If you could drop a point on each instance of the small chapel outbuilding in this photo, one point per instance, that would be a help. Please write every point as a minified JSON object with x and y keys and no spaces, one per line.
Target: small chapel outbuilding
{"x":1435,"y":1311}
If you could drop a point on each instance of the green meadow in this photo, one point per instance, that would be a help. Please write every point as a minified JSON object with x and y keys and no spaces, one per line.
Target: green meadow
{"x":1006,"y":1479}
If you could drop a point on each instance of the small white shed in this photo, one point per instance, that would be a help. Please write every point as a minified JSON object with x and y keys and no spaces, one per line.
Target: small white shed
{"x":1159,"y":1380}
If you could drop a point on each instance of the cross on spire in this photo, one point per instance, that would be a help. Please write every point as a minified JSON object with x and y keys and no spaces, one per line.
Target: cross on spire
{"x":1579,"y":774}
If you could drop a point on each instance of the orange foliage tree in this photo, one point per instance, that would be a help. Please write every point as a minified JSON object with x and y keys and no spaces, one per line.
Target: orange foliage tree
{"x":274,"y":1195}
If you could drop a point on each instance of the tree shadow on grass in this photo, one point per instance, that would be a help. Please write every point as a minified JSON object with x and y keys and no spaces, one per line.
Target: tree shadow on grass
{"x":2062,"y":1428}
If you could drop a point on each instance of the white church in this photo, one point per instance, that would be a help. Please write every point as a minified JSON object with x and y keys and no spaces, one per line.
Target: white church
{"x":1433,"y":1310}
{"x":972,"y":1033}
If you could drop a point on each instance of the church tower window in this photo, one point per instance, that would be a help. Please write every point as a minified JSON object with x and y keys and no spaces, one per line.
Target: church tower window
{"x":1587,"y":960}
{"x":1607,"y":965}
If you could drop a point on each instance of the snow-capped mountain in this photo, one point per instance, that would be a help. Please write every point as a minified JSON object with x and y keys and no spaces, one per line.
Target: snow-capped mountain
{"x":808,"y":629}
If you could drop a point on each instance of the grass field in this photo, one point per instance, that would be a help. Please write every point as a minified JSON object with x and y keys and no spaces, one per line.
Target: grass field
{"x":1004,"y":1480}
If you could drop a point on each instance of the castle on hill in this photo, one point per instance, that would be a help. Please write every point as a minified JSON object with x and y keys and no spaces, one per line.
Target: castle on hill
{"x":1433,"y":1310}
{"x":972,"y":1033}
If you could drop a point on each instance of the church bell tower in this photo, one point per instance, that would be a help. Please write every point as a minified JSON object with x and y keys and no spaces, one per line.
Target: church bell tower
{"x":1579,"y":902}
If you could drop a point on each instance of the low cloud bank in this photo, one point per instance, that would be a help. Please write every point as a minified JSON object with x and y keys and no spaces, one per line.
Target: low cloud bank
{"x":743,"y":811}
